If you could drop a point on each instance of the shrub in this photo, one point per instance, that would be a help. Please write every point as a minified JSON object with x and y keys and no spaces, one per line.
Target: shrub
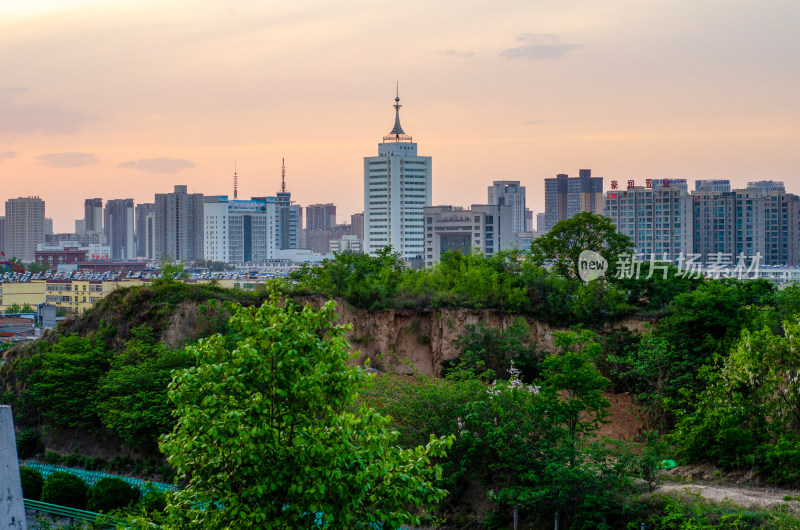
{"x":52,"y":457}
{"x":153,"y":501}
{"x":29,"y":443}
{"x":782,"y":460}
{"x":64,"y":489}
{"x":32,"y":482}
{"x":110,"y":494}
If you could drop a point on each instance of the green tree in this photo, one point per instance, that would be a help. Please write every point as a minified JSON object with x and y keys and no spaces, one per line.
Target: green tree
{"x":132,"y":395}
{"x":425,"y":406}
{"x":365,"y":281}
{"x":13,"y":308}
{"x":485,"y":348}
{"x":29,"y":443}
{"x":710,"y":318}
{"x":656,"y":372}
{"x":38,"y":267}
{"x":269,"y":434}
{"x":700,"y":325}
{"x":61,"y":381}
{"x":535,"y":439}
{"x":751,"y":406}
{"x":170,"y":271}
{"x":562,"y":246}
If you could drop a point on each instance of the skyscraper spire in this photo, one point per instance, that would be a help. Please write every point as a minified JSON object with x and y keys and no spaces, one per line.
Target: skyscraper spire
{"x":283,"y":175}
{"x":235,"y":182}
{"x":397,"y":134}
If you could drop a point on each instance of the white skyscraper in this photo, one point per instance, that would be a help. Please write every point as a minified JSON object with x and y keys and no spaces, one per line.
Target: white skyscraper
{"x":240,"y":231}
{"x":397,"y":186}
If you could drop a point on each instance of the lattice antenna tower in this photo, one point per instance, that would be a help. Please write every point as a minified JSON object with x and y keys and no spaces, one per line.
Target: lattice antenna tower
{"x":235,"y":182}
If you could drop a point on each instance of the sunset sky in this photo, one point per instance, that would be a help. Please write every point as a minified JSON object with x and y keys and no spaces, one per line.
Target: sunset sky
{"x":119,"y":99}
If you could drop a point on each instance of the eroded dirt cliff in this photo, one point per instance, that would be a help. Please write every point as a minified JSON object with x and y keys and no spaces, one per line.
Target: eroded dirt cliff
{"x":406,"y":341}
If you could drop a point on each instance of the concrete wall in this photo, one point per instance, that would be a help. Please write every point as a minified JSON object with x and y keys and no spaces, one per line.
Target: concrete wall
{"x":12,"y":509}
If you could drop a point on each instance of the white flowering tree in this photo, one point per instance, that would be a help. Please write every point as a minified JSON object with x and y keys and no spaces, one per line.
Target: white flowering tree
{"x":537,"y":439}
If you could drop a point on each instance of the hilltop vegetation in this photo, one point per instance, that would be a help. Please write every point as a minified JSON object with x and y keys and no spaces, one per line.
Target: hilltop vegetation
{"x":107,"y":371}
{"x":154,"y":306}
{"x":715,"y":376}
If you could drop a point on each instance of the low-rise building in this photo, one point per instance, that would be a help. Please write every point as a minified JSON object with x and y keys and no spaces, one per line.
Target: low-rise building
{"x":487,"y":228}
{"x":346,"y":244}
{"x":21,"y":293}
{"x":80,"y":295}
{"x":63,"y":256}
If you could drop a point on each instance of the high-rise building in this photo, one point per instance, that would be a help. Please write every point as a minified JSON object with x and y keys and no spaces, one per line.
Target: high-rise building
{"x":781,"y":226}
{"x":357,"y":225}
{"x":320,"y":216}
{"x":487,"y":228}
{"x":715,"y":221}
{"x":658,"y":220}
{"x":510,"y":192}
{"x":397,"y":187}
{"x":2,"y":233}
{"x":290,"y":217}
{"x":320,"y":220}
{"x":318,"y":239}
{"x":48,"y":225}
{"x":24,"y":227}
{"x":540,"y":223}
{"x":760,"y":220}
{"x":93,"y":216}
{"x":146,"y":230}
{"x":565,"y":196}
{"x":240,"y":231}
{"x":179,"y":225}
{"x":119,"y":229}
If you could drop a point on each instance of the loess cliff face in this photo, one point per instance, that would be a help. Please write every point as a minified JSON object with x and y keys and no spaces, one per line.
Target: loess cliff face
{"x":407,"y":341}
{"x":402,"y":341}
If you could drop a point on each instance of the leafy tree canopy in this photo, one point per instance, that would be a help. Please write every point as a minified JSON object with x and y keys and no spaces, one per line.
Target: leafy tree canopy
{"x":750,"y":410}
{"x":562,"y":246}
{"x":61,"y":382}
{"x":269,"y":434}
{"x":365,"y":281}
{"x":170,"y":271}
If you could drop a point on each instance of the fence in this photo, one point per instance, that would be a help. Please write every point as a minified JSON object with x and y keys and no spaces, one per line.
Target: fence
{"x":92,"y":477}
{"x":60,"y":511}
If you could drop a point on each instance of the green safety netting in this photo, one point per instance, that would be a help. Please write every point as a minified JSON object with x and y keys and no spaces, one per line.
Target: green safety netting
{"x":91,"y":477}
{"x":668,"y":464}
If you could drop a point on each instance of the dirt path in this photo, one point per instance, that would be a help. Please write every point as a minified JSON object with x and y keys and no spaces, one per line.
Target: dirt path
{"x":739,"y":495}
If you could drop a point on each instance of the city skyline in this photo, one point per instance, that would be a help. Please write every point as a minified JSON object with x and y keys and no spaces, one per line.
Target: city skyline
{"x":129,"y":100}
